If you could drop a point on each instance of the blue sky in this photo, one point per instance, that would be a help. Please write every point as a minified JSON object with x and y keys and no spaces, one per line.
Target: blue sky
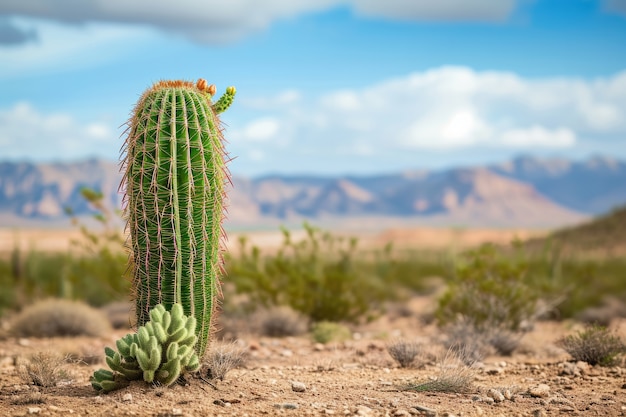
{"x":324,"y":86}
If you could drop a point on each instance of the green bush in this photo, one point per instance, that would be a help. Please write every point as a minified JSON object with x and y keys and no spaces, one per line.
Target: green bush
{"x":321,"y":277}
{"x":326,"y":331}
{"x":489,"y":291}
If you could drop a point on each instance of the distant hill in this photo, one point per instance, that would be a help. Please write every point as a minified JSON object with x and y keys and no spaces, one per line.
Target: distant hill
{"x":524,"y":192}
{"x":605,"y":234}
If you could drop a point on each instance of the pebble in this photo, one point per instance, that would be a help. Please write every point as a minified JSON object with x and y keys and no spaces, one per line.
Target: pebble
{"x":287,"y":406}
{"x":363,"y":410}
{"x":298,"y":386}
{"x":127,"y":397}
{"x":496,"y":395}
{"x":493,"y":370}
{"x":400,"y":412}
{"x":34,"y":410}
{"x":539,"y":391}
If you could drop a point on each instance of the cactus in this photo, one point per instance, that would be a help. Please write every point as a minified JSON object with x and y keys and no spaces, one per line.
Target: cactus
{"x":174,"y":179}
{"x":159,"y":352}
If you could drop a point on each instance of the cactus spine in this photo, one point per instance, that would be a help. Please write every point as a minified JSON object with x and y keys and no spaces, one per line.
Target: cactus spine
{"x":174,"y":178}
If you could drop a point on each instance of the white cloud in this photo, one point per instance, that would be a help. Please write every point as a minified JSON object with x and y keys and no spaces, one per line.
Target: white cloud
{"x":259,"y":130}
{"x":451,"y":108}
{"x":27,"y":133}
{"x":64,"y":48}
{"x":214,"y":21}
{"x":439,"y":10}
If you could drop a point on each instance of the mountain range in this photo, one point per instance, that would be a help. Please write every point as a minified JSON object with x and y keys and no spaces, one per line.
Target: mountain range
{"x":523,"y":192}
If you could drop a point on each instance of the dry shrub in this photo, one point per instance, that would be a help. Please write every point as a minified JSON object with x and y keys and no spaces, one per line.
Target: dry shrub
{"x":453,"y":376}
{"x":222,"y":358}
{"x":595,"y":345}
{"x":404,"y":352}
{"x":44,"y":369}
{"x":282,"y":321}
{"x":55,"y":317}
{"x":468,"y":343}
{"x":120,"y":314}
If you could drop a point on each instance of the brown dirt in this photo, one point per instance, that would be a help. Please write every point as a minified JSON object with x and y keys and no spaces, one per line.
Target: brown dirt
{"x":353,"y":378}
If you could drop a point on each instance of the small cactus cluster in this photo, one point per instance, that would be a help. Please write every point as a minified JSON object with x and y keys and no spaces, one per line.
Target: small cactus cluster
{"x":159,"y":352}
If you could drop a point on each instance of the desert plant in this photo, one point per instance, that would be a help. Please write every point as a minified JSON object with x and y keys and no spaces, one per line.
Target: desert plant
{"x":595,"y":345}
{"x":489,"y":290}
{"x":53,"y":317}
{"x":320,"y":276}
{"x":404,"y":352}
{"x":221,"y":359}
{"x":326,"y":331}
{"x":159,"y":352}
{"x":43,"y":369}
{"x":281,"y":321}
{"x":174,"y":180}
{"x":453,"y":376}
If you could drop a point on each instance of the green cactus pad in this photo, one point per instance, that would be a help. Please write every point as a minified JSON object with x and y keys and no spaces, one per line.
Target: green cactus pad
{"x":145,"y":356}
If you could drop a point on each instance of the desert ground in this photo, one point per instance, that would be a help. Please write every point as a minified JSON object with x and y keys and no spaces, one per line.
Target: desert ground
{"x":296,"y":376}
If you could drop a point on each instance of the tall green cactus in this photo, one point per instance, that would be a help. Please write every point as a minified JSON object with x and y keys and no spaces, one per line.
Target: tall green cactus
{"x":175,"y":176}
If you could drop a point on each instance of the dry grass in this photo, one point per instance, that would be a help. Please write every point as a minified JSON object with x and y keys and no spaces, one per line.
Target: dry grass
{"x":223,"y":358}
{"x":453,"y":377}
{"x":595,"y":345}
{"x":43,"y":369}
{"x":404,"y":352}
{"x":55,"y":317}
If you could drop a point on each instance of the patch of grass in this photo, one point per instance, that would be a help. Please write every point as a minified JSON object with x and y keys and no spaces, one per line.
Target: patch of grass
{"x":326,"y":331}
{"x":34,"y":397}
{"x":453,"y":377}
{"x":595,"y":345}
{"x":43,"y":369}
{"x":223,"y":358}
{"x":404,"y":352}
{"x":50,"y":318}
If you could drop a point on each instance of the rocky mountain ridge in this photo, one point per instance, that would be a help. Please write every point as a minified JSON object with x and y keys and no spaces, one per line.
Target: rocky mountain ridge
{"x":523,"y":192}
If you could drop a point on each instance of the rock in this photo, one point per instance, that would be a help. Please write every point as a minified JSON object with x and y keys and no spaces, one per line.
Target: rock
{"x":127,"y":397}
{"x":287,"y":406}
{"x":539,"y":391}
{"x":177,"y":411}
{"x":298,"y":386}
{"x":508,"y":394}
{"x":401,"y":413}
{"x":329,"y":411}
{"x":493,"y":370}
{"x":425,"y":410}
{"x":539,"y":413}
{"x":363,"y":410}
{"x":34,"y":410}
{"x":496,"y":395}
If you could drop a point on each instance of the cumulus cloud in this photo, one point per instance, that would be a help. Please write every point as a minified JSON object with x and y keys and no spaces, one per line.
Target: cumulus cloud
{"x":449,"y":109}
{"x":440,"y":10}
{"x":25,"y":132}
{"x":615,"y":6}
{"x":214,"y":21}
{"x":11,"y":34}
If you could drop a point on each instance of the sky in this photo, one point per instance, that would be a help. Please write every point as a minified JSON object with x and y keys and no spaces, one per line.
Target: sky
{"x":324,"y":87}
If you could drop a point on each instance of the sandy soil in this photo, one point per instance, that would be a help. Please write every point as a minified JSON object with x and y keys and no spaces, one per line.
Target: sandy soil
{"x":419,"y":238}
{"x":352,"y":378}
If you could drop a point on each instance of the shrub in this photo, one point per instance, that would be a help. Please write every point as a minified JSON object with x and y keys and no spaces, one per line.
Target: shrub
{"x":221,"y":359}
{"x":469,"y":344}
{"x":321,"y":277}
{"x":595,"y":345}
{"x":282,"y":321}
{"x":43,"y":369}
{"x":326,"y":331}
{"x":453,"y":376}
{"x":50,"y":318}
{"x":404,"y":352}
{"x":489,"y":291}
